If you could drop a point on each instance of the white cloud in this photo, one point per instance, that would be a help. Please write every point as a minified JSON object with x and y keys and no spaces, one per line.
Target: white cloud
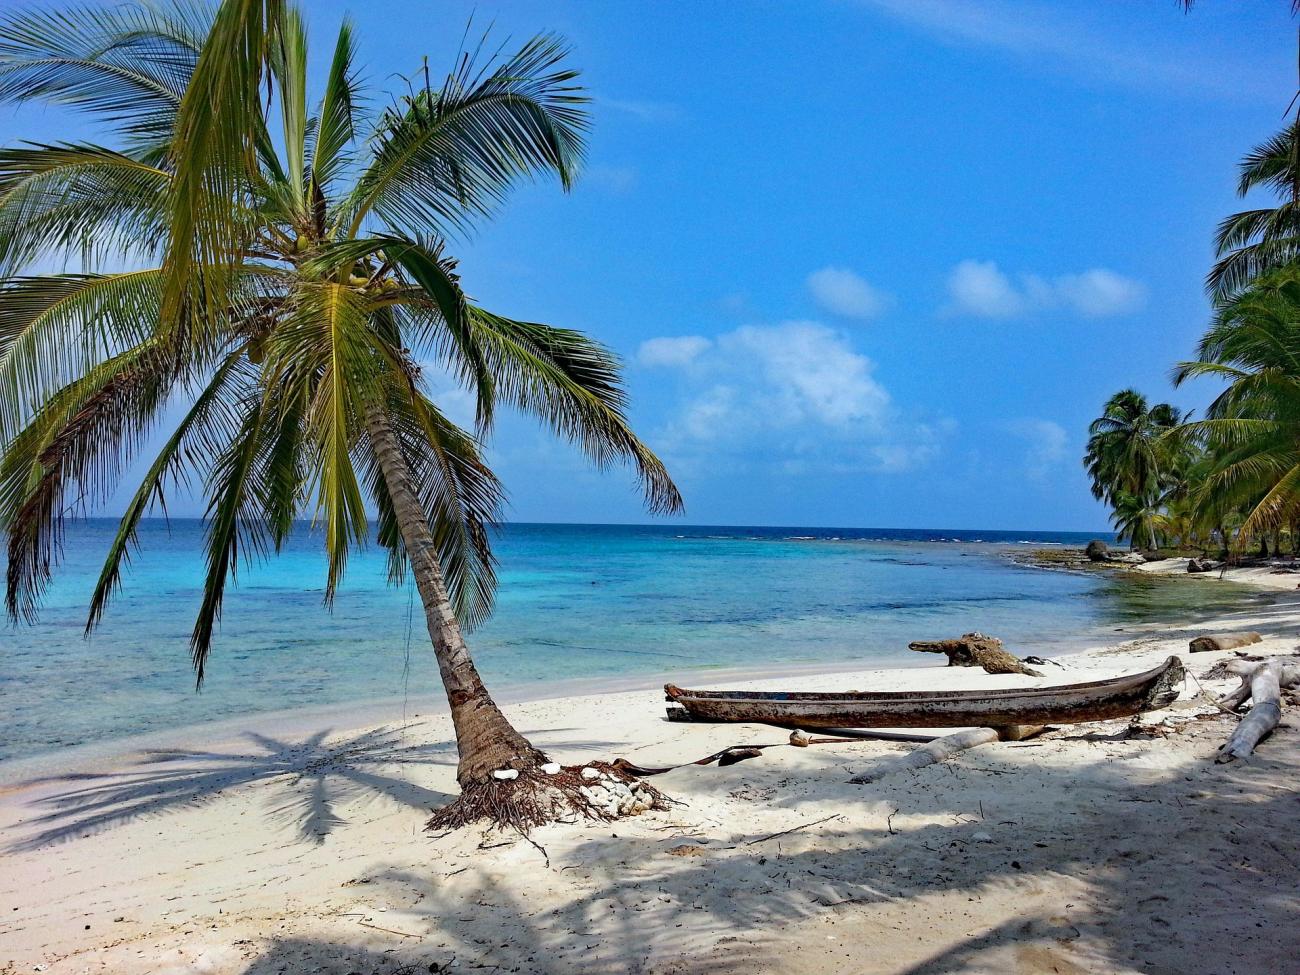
{"x":981,"y":289}
{"x":1046,"y":445}
{"x":812,"y":370}
{"x":679,"y":350}
{"x":795,"y":395}
{"x":843,"y":292}
{"x":1099,"y":293}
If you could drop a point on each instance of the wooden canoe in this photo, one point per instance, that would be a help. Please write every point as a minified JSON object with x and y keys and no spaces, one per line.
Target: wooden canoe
{"x":1116,"y":697}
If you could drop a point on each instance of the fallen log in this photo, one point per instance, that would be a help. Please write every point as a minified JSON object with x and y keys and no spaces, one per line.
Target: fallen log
{"x":1265,"y":713}
{"x":1246,"y":670}
{"x":1223,"y":641}
{"x":938,"y":750}
{"x":975,"y":650}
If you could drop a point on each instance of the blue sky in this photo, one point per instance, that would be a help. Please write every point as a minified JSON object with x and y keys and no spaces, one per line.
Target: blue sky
{"x":870,"y":262}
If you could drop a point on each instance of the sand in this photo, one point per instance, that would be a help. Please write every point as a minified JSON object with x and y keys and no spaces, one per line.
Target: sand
{"x":1278,"y":576}
{"x":1096,"y":848}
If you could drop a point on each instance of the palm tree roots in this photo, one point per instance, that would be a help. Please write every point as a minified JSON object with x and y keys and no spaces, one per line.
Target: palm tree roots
{"x":536,"y":798}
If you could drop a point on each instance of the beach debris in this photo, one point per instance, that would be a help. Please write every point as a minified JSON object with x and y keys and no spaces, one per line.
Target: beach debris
{"x":613,"y":797}
{"x":506,"y":774}
{"x":590,"y":774}
{"x":1202,"y":565}
{"x":1262,"y":682}
{"x":975,"y":650}
{"x":792,"y":829}
{"x":551,"y":768}
{"x":800,"y":739}
{"x":1223,"y":641}
{"x":982,"y":837}
{"x":938,"y":750}
{"x":688,"y":850}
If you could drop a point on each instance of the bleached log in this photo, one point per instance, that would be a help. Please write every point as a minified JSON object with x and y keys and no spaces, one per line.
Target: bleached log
{"x":1246,"y":670}
{"x":1265,"y":713}
{"x":938,"y":750}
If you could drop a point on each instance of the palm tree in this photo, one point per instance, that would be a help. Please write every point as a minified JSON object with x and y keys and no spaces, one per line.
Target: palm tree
{"x":1136,"y":517}
{"x":1254,"y":242}
{"x":284,"y":276}
{"x":1253,"y":427}
{"x":1132,"y":461}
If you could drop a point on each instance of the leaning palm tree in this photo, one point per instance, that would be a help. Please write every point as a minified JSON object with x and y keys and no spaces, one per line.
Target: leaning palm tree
{"x":280,"y":277}
{"x":1253,"y":427}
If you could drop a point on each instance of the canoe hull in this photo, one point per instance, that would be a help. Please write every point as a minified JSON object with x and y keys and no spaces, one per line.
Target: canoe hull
{"x":1118,"y":697}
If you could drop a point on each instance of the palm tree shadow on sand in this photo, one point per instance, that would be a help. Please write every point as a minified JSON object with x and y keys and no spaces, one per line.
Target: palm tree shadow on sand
{"x":313,"y":778}
{"x":1170,"y":877}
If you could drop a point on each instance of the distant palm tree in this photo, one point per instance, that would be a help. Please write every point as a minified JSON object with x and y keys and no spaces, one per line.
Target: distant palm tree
{"x":1126,"y":452}
{"x":286,"y":276}
{"x":1137,"y":518}
{"x":1253,"y":426}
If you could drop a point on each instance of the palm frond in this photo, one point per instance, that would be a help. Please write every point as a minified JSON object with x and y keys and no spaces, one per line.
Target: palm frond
{"x":337,"y":126}
{"x":77,"y":200}
{"x":205,"y":431}
{"x":219,"y":131}
{"x":129,"y":64}
{"x":58,"y":327}
{"x":574,"y":385}
{"x":444,"y":158}
{"x":69,"y":456}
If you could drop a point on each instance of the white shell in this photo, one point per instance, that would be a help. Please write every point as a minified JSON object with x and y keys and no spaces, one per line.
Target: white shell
{"x":590,"y":773}
{"x":551,"y":768}
{"x":506,"y":773}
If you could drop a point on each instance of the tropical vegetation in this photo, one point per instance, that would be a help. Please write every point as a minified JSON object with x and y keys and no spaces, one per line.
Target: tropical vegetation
{"x":1230,"y":479}
{"x":265,"y":295}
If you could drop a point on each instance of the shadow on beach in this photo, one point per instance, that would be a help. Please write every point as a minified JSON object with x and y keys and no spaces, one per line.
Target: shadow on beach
{"x":1190,"y":868}
{"x":307,"y":780}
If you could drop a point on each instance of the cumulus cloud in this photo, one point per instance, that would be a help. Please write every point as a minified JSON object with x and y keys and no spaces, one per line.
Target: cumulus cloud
{"x":794,"y":393}
{"x":1046,"y":445}
{"x":843,"y":292}
{"x":680,"y":350}
{"x":982,"y":290}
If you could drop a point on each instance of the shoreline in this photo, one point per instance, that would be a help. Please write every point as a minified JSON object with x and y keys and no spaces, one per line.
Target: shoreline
{"x":305,"y":851}
{"x":350,"y":715}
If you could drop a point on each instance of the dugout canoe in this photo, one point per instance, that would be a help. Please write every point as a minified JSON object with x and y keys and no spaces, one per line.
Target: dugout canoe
{"x":1098,"y":700}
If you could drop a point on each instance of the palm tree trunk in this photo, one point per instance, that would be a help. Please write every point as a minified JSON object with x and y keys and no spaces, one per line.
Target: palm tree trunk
{"x":484,"y":737}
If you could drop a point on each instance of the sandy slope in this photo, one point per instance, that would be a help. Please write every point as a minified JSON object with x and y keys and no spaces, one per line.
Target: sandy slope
{"x":1101,"y":851}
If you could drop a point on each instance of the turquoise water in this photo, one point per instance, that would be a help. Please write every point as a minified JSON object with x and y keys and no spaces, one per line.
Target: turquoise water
{"x":604,"y":602}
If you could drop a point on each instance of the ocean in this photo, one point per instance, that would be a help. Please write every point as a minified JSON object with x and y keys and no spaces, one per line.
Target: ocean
{"x":599,"y":604}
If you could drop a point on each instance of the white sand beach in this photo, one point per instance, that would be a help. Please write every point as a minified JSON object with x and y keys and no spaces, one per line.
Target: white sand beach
{"x":1279,"y":576}
{"x":1093,"y":848}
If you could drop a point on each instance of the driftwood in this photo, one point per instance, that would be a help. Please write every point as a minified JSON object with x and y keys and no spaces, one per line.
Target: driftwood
{"x":1223,"y":641}
{"x":1245,"y":669}
{"x":1266,"y":691}
{"x":975,"y":650}
{"x":938,"y":750}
